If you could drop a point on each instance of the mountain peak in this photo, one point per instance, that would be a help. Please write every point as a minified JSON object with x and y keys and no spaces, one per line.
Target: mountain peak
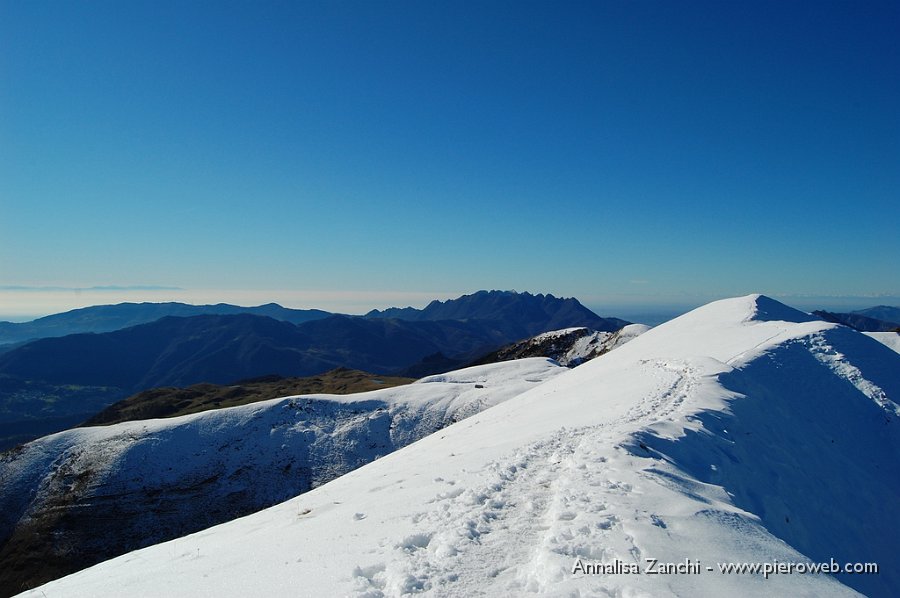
{"x":530,"y":314}
{"x":749,"y":308}
{"x":767,"y":309}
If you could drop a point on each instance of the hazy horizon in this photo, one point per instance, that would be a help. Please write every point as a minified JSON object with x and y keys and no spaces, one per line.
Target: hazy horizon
{"x":26,"y":304}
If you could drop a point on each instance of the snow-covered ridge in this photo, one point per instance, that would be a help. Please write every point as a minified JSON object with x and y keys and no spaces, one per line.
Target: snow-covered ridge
{"x":740,"y":432}
{"x":553,"y":334}
{"x":142,"y":482}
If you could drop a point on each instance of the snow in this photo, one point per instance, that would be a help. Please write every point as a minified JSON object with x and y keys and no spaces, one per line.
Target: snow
{"x":173,"y":476}
{"x":554,"y":334}
{"x":597,"y":343}
{"x":740,"y":432}
{"x":891,"y":339}
{"x":573,"y":346}
{"x":628,"y":333}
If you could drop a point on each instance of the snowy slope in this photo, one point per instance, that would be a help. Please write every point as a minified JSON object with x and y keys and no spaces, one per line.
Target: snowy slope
{"x":743,"y":431}
{"x":891,"y":339}
{"x":72,"y":499}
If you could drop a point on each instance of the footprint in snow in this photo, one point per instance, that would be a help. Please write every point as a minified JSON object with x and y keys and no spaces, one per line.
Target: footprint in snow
{"x":415,"y":542}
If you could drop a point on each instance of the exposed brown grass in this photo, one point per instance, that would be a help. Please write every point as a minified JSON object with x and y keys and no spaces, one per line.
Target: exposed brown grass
{"x":172,"y":402}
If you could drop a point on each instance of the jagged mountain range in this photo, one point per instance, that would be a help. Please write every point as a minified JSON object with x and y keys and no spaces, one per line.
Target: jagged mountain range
{"x":533,"y":314}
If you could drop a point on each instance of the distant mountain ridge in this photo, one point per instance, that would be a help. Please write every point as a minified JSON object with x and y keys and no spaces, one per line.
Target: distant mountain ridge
{"x":176,"y":351}
{"x":885,"y":313}
{"x":535,"y":313}
{"x":181,"y":351}
{"x":222,"y":348}
{"x":860,"y":321}
{"x":107,"y":318}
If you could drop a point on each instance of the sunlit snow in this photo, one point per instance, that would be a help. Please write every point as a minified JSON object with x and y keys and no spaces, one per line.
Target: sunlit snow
{"x":743,"y":431}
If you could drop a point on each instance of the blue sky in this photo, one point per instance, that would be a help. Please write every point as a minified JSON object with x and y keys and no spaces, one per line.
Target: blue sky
{"x":646,"y":152}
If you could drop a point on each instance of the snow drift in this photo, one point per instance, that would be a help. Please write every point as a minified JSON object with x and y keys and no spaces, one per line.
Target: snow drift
{"x":742,"y":432}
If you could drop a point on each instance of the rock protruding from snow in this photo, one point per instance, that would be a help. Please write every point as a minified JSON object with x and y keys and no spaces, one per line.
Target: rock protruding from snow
{"x":568,"y":347}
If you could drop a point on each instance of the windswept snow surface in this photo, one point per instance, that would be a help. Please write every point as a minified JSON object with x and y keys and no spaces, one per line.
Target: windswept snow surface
{"x":742,"y":432}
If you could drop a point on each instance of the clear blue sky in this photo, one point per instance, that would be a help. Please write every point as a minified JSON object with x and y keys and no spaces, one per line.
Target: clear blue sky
{"x":630,"y":150}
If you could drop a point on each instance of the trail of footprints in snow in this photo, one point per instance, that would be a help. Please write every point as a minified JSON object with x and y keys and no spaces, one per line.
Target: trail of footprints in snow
{"x":667,"y":401}
{"x":551,"y":503}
